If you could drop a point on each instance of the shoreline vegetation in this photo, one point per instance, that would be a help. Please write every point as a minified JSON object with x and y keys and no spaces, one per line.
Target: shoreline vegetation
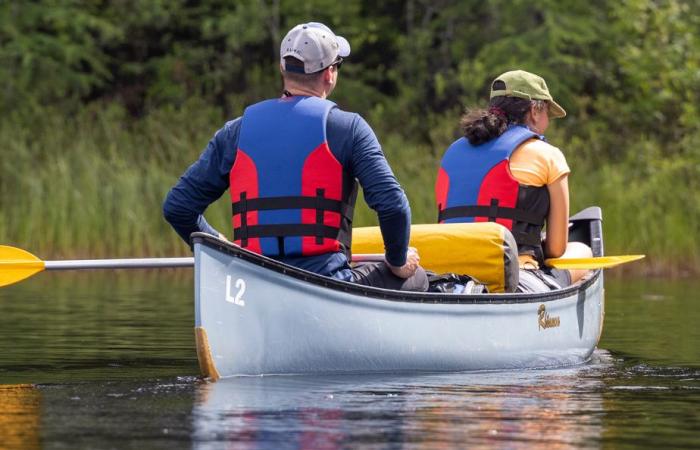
{"x":105,"y":105}
{"x":92,"y":185}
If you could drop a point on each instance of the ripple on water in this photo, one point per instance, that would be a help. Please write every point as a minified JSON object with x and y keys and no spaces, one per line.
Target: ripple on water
{"x":118,"y":371}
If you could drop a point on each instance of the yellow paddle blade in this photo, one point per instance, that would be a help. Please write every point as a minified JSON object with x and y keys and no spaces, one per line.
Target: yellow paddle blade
{"x":17,"y":264}
{"x":598,"y":262}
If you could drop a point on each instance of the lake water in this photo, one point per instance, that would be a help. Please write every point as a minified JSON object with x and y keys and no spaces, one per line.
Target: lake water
{"x":107,"y":360}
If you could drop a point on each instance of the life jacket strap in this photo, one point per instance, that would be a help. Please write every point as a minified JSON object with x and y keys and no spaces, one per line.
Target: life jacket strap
{"x":244,"y":220}
{"x":318,"y":203}
{"x":532,"y":238}
{"x":286,"y":230}
{"x":319,"y":230}
{"x":492,"y":211}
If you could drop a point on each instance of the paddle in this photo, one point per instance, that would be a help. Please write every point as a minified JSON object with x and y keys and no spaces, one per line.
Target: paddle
{"x":17,"y":264}
{"x":597,"y":262}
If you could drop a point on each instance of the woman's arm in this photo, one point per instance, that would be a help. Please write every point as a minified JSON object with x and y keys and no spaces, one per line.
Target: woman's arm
{"x":558,"y":218}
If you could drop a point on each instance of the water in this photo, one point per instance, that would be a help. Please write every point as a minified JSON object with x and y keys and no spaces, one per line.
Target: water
{"x":107,"y":360}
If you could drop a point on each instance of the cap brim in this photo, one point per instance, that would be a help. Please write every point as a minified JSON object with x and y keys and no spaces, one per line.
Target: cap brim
{"x":343,"y":47}
{"x":555,"y":110}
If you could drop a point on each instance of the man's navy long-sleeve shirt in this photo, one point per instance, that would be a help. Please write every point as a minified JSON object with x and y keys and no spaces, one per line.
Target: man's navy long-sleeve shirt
{"x":354,"y":145}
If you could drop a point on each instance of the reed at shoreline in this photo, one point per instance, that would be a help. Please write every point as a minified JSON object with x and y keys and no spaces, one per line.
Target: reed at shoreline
{"x":92,"y":185}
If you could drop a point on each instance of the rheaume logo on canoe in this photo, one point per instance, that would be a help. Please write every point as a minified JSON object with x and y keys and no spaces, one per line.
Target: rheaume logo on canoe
{"x":545,"y":320}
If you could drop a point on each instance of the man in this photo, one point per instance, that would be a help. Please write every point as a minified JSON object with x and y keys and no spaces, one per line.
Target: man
{"x":292,"y":165}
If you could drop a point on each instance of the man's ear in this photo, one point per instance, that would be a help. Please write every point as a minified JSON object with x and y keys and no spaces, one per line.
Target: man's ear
{"x":328,"y":74}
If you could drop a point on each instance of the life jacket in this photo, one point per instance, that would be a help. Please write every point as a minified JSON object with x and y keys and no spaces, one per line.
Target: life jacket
{"x":474,"y":184}
{"x":290,"y":195}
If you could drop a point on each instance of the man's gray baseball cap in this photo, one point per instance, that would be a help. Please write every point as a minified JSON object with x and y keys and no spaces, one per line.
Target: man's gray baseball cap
{"x":315,"y":45}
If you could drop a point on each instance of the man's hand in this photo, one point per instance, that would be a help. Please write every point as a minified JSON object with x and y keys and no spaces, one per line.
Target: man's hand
{"x":408,"y":269}
{"x":224,"y":238}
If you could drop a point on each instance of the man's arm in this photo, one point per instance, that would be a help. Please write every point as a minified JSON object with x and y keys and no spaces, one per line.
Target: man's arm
{"x":382,"y":192}
{"x":202,"y":184}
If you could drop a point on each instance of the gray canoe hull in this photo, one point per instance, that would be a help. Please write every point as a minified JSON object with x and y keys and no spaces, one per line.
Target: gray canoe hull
{"x":257,"y":316}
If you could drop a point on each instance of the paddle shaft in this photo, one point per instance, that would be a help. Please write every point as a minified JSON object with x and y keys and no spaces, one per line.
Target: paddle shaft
{"x":153,"y":263}
{"x":147,"y":263}
{"x":130,"y":263}
{"x":595,"y":262}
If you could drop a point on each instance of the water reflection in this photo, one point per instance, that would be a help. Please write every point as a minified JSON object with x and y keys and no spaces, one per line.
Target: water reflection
{"x":96,"y":326}
{"x":552,"y":408}
{"x":654,"y":407}
{"x":111,"y":360}
{"x":20,"y":412}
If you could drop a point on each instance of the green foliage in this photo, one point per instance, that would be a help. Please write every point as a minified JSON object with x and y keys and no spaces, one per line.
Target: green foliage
{"x":93,"y":185}
{"x":51,"y":52}
{"x":106,"y":102}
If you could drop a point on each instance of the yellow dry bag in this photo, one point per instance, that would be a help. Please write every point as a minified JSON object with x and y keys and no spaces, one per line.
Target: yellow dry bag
{"x":484,"y":250}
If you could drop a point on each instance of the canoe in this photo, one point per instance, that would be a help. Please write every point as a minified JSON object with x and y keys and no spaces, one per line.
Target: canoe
{"x":255,"y":315}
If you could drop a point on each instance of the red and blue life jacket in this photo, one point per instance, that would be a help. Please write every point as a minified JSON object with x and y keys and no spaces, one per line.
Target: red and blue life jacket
{"x":290,"y":195}
{"x":474,"y":184}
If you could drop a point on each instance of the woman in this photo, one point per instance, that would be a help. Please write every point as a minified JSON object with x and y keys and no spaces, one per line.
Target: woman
{"x":503,"y":170}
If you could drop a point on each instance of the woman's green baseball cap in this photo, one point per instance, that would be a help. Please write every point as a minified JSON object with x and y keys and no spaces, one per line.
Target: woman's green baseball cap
{"x":521,"y":84}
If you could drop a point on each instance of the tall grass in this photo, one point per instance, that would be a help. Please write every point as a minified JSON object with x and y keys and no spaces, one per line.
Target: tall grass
{"x":92,"y":185}
{"x":655,"y":211}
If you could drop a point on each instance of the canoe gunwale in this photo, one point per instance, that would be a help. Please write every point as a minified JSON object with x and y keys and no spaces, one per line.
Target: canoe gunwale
{"x":387,"y":294}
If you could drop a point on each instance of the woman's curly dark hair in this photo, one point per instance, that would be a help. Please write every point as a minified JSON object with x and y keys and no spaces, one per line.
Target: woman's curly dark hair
{"x":481,"y":125}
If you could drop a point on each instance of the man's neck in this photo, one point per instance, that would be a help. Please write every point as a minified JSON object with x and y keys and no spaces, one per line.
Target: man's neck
{"x":299,"y":90}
